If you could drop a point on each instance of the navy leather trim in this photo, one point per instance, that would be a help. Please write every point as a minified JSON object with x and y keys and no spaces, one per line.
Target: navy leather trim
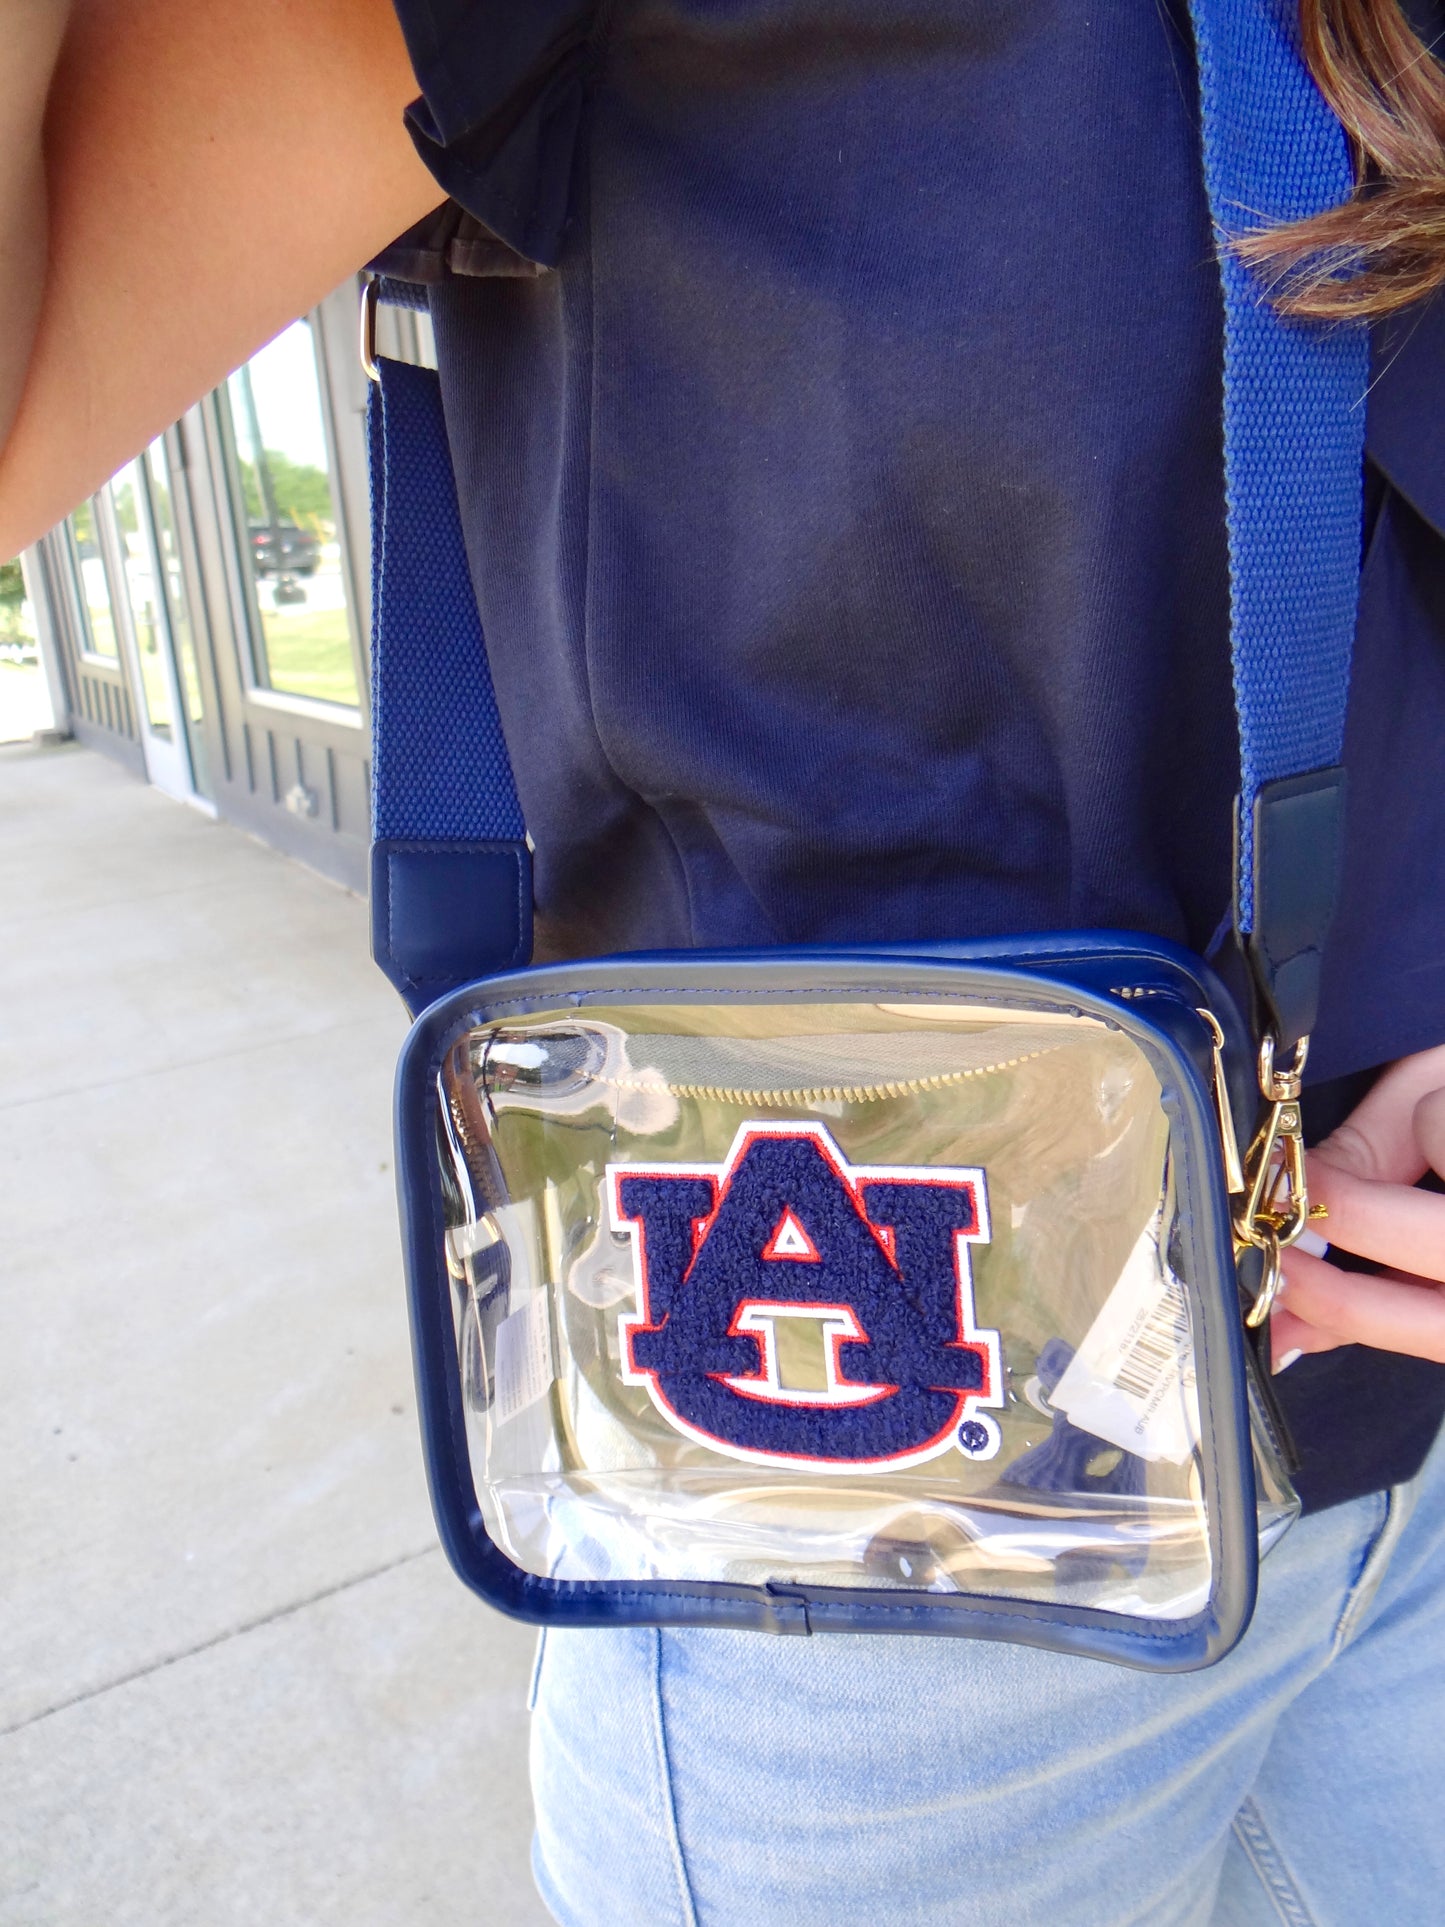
{"x":1152,"y":999}
{"x":443,"y":913}
{"x":1298,"y":858}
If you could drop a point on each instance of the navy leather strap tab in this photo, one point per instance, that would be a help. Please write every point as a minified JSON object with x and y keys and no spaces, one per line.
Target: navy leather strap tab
{"x":437,"y":907}
{"x":1294,"y":428}
{"x":451,"y":871}
{"x":1298,"y":825}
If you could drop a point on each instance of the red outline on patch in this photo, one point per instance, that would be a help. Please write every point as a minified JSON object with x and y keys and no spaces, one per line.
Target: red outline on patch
{"x":777,"y":1395}
{"x":770,"y":1249}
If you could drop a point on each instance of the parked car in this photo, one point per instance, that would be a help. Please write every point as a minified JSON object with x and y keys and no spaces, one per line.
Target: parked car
{"x":284,"y":548}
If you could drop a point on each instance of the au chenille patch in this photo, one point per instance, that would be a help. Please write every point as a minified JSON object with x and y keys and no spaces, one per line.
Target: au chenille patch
{"x":874,"y":1260}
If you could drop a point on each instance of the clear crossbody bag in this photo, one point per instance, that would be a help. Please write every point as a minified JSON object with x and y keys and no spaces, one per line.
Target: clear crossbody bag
{"x":900,"y":1289}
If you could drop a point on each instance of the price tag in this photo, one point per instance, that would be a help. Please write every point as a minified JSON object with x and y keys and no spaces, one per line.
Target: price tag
{"x":524,"y":1359}
{"x":1132,"y":1380}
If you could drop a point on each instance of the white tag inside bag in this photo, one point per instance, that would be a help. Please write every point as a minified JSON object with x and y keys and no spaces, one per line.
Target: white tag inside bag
{"x":524,"y":1358}
{"x":1132,"y":1380}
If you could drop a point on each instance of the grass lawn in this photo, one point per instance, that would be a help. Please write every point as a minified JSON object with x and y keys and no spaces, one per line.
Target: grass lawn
{"x":308,"y":652}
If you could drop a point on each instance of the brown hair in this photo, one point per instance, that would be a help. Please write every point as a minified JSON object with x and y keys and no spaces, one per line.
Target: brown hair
{"x":1385,"y":246}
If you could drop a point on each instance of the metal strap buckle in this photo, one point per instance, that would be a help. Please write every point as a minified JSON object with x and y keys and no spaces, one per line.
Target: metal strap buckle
{"x":367,"y":342}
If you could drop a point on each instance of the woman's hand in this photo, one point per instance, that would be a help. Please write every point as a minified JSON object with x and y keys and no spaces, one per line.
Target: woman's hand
{"x":1364,"y":1175}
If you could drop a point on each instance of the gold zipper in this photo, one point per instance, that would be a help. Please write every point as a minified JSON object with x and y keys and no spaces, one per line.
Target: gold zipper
{"x":819,"y":1093}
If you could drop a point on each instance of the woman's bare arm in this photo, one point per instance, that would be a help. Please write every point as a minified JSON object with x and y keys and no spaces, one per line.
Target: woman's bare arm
{"x":31,"y":32}
{"x":212,"y":168}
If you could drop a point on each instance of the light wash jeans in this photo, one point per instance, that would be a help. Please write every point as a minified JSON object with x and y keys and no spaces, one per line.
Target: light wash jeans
{"x":712,"y":1779}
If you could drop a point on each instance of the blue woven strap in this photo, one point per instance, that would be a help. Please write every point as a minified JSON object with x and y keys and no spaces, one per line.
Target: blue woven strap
{"x":451,"y":879}
{"x":1294,"y":433}
{"x":1294,"y":447}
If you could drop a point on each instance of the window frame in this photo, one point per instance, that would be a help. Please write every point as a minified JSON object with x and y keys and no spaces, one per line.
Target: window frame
{"x":79,"y":601}
{"x":245,"y":607}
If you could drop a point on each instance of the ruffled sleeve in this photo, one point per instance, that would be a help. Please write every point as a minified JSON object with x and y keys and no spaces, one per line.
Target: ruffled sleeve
{"x":502,"y":84}
{"x":445,"y":242}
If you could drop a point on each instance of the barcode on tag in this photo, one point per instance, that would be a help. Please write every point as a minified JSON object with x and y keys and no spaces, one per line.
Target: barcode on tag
{"x":1156,"y":1352}
{"x":1132,"y":1382}
{"x":524,"y":1359}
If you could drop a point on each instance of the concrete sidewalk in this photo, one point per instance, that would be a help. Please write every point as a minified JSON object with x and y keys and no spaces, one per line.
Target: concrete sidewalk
{"x":238,"y":1682}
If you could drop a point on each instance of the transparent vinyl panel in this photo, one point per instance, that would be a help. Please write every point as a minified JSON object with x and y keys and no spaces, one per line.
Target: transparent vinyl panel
{"x":837,"y":1293}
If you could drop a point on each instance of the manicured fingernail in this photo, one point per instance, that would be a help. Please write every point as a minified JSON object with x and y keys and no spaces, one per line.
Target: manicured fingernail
{"x":1283,"y":1364}
{"x":1312,"y":1242}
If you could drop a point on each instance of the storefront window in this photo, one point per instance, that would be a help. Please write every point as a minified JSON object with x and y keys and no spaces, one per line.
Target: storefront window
{"x":91,"y":588}
{"x":24,"y":700}
{"x":174,"y":589}
{"x":144,"y":592}
{"x":287,"y":522}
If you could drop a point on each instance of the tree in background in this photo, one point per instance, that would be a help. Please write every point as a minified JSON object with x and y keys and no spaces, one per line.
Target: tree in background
{"x":301,"y":491}
{"x":13,"y":630}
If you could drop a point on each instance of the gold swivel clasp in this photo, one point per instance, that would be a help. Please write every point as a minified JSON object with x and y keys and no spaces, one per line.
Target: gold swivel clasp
{"x":1268,"y":1188}
{"x":1275,"y":1206}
